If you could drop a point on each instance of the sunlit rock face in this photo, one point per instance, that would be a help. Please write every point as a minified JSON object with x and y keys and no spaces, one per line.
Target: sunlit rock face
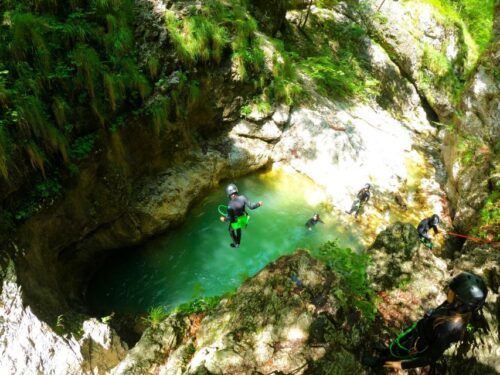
{"x":29,"y":345}
{"x":271,"y":324}
{"x":408,"y":30}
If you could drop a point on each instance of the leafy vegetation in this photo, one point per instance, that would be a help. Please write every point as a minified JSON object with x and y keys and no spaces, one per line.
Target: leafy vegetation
{"x":438,"y":70}
{"x":489,"y":222}
{"x":155,"y":316}
{"x":198,"y":305}
{"x":67,"y":68}
{"x":350,"y":267}
{"x":477,"y":15}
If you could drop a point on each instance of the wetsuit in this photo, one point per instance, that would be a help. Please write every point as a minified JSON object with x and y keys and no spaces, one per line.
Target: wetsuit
{"x":425,"y":341}
{"x":236,"y":208}
{"x":424,"y":227}
{"x":312,"y":222}
{"x":362,"y":197}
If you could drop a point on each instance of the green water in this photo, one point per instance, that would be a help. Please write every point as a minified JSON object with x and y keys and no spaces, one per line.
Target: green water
{"x":195,"y":260}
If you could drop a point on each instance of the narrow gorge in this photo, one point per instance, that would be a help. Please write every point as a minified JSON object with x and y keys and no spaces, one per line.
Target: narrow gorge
{"x":123,"y":121}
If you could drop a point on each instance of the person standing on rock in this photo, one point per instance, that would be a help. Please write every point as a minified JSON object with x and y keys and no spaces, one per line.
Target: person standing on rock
{"x":423,"y":228}
{"x":236,"y":213}
{"x":426,"y":340}
{"x":362,"y":198}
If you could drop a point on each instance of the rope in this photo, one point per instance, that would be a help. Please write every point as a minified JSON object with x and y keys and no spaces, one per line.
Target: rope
{"x":222,"y":207}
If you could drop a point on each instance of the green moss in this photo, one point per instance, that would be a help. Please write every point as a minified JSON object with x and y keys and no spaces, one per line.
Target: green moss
{"x":476,"y":15}
{"x":489,"y":222}
{"x":438,"y":70}
{"x":155,"y":316}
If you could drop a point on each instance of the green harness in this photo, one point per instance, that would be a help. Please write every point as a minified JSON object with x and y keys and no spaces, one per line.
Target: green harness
{"x":402,"y":347}
{"x":241,"y":221}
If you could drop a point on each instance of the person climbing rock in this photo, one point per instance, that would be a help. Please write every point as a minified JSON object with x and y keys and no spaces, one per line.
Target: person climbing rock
{"x":426,"y":340}
{"x":423,"y":228}
{"x":313,"y":221}
{"x":236,"y":213}
{"x":362,"y":198}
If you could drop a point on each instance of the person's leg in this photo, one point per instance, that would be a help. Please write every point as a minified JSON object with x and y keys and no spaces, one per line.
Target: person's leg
{"x":353,"y":207}
{"x":238,"y":236}
{"x":234,"y":238}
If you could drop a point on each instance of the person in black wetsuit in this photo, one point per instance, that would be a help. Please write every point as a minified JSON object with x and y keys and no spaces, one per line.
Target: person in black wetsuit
{"x":362,"y":197}
{"x":423,"y":228}
{"x":426,"y":340}
{"x":236,"y":213}
{"x":313,"y":221}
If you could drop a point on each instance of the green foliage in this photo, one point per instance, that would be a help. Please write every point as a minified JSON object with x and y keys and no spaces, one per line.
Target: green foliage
{"x":439,"y":71}
{"x":340,"y":78}
{"x":476,"y":14}
{"x":44,"y":193}
{"x":198,"y":305}
{"x":489,"y":222}
{"x":155,"y":316}
{"x":82,"y":147}
{"x":350,"y":267}
{"x":64,"y":71}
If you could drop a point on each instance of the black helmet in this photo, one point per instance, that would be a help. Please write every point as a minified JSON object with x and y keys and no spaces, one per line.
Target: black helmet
{"x":435,"y":219}
{"x":231,"y":189}
{"x":367,"y":186}
{"x":469,"y":289}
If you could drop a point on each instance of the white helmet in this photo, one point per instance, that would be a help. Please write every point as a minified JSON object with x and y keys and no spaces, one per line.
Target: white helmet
{"x":231,"y":189}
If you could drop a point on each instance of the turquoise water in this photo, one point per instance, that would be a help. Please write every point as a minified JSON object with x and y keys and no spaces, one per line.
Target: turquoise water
{"x":195,"y":260}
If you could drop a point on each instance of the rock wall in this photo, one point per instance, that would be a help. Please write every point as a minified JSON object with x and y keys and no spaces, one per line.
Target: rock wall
{"x":30,"y":346}
{"x":470,"y":149}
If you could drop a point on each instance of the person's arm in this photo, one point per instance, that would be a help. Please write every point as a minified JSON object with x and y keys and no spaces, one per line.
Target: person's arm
{"x":230,"y":217}
{"x":446,"y":335}
{"x":435,"y":228}
{"x":251,"y":205}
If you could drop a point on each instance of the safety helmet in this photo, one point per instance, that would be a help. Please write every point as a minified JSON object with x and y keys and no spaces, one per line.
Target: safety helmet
{"x":368,"y":186}
{"x":469,"y":289}
{"x":231,"y":189}
{"x":435,"y":219}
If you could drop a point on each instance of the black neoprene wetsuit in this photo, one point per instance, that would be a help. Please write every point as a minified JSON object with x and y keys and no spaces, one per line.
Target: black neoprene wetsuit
{"x":236,"y":208}
{"x":424,"y":227}
{"x":312,"y":222}
{"x":362,"y":197}
{"x":426,"y":342}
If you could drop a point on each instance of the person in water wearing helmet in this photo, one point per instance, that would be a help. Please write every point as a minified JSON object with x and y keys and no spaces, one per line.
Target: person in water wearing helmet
{"x":236,"y":213}
{"x":313,"y":221}
{"x":426,"y":340}
{"x":362,"y":197}
{"x":423,"y":228}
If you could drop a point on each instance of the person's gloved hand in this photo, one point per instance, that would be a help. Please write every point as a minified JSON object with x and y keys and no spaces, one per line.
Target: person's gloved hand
{"x":222,"y":218}
{"x":393,"y":364}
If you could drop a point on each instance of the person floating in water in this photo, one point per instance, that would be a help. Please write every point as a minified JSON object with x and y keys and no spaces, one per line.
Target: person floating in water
{"x":362,"y":197}
{"x":426,"y":340}
{"x":313,"y":221}
{"x":424,"y":227}
{"x":236,"y":213}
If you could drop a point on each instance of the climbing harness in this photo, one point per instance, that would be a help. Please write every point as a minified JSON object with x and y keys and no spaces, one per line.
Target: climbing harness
{"x":412,"y":352}
{"x":241,"y":222}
